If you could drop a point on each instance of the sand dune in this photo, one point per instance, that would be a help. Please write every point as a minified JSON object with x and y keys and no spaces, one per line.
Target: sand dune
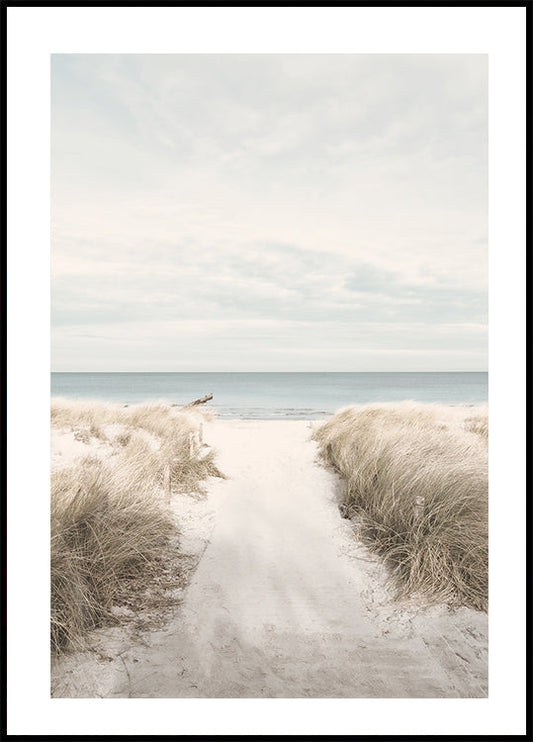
{"x":284,"y":602}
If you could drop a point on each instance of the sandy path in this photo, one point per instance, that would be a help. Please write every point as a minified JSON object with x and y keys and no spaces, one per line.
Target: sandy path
{"x":281,"y":604}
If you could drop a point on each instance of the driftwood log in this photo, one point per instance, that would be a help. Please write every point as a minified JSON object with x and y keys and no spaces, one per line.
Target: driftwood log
{"x":196,"y":402}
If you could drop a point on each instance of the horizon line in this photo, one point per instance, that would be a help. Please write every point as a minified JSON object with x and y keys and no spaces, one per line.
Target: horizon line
{"x":373,"y":371}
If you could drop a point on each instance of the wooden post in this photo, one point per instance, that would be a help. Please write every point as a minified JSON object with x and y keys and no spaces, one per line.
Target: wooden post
{"x":419,"y":508}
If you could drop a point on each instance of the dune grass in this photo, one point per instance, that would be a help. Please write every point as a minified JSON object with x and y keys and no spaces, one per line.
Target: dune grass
{"x":416,"y":484}
{"x":109,"y":514}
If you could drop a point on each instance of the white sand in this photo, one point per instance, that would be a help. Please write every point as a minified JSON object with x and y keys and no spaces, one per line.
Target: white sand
{"x":285,"y":602}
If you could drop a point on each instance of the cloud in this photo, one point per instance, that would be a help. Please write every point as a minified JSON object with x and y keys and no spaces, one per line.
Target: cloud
{"x":314,"y":191}
{"x":265,"y":280}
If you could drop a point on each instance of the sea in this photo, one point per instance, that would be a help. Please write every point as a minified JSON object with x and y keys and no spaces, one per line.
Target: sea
{"x":274,"y":396}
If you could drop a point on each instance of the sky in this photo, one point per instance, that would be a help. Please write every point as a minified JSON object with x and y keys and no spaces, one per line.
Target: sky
{"x":269,"y":212}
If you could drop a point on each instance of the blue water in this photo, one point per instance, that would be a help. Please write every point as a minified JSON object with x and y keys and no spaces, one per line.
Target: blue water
{"x":297,"y":396}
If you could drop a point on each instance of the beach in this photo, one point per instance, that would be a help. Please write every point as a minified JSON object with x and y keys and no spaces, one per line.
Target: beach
{"x":281,"y":600}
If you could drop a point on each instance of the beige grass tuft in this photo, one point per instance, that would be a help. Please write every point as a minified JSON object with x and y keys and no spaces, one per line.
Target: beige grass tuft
{"x":110,"y":517}
{"x":417,"y":483}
